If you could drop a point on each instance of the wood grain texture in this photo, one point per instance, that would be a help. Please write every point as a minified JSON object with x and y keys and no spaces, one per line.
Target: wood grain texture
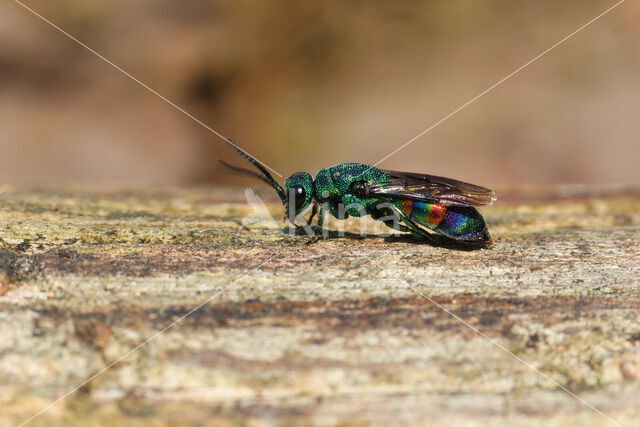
{"x":342,"y":332}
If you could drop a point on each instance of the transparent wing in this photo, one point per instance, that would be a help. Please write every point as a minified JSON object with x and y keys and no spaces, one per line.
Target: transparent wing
{"x":430,"y":188}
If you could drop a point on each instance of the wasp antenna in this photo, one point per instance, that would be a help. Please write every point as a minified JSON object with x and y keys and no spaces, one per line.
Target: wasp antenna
{"x":248,"y":157}
{"x":267,"y":178}
{"x":244,"y":171}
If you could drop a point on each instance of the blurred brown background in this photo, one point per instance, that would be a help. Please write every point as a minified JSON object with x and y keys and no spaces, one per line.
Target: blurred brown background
{"x":307,"y":84}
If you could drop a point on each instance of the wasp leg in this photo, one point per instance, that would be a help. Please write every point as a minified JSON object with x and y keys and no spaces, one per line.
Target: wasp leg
{"x":411,"y":227}
{"x":394,"y":223}
{"x":416,"y":230}
{"x":421,"y":234}
{"x":321,"y":214}
{"x":314,"y":211}
{"x":396,"y":226}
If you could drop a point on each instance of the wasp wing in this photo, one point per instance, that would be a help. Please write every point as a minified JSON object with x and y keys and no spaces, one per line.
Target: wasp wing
{"x":432,"y":189}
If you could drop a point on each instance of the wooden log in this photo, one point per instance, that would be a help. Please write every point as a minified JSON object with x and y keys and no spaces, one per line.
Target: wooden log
{"x":361,"y":330}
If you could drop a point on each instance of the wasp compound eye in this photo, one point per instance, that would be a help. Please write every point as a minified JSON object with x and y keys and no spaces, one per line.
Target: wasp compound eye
{"x":299,"y":196}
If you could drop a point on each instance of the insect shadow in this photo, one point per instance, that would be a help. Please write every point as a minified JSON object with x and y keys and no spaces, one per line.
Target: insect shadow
{"x":436,"y":240}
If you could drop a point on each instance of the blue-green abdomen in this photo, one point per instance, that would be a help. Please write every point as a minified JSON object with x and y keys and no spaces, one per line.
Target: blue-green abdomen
{"x":463,"y":222}
{"x":458,"y":222}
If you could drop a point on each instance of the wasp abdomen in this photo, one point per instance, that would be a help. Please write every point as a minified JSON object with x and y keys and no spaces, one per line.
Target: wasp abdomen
{"x":458,"y":222}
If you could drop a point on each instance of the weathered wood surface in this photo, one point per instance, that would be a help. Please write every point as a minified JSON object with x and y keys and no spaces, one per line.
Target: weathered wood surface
{"x":335,"y":333}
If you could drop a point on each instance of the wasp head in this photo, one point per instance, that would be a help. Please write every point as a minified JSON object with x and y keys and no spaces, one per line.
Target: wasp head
{"x":299,"y":190}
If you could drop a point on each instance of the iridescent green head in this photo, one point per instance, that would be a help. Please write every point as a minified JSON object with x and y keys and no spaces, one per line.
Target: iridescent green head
{"x":299,"y":188}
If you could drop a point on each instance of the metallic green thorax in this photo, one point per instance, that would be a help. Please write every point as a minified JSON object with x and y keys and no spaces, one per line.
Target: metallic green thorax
{"x":332,"y":186}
